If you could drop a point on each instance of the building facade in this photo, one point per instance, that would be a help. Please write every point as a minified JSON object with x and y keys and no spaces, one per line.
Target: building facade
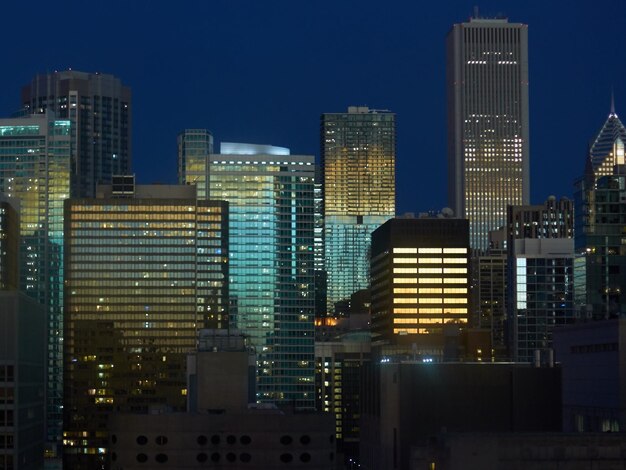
{"x":9,"y":244}
{"x":607,"y":149}
{"x":271,"y":198}
{"x":35,"y":165}
{"x":194,"y":148}
{"x":99,"y":109}
{"x":358,"y":152}
{"x":488,"y":146}
{"x":420,"y":280}
{"x":146,"y":267}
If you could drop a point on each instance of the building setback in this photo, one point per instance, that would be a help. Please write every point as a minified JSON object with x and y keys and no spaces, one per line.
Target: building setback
{"x":146,"y":267}
{"x":488,"y":146}
{"x":99,"y":107}
{"x":358,"y":151}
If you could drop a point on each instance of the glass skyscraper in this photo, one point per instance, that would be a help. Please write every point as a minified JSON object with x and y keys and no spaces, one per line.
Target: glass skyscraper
{"x":146,"y":268}
{"x":35,"y":171}
{"x":271,"y":226}
{"x":358,"y":160}
{"x":488,"y":147}
{"x":194,"y":145}
{"x":99,"y":107}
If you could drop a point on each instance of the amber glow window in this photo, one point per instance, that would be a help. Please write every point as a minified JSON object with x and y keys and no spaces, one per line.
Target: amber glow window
{"x":404,"y":301}
{"x":429,"y":250}
{"x":430,"y":290}
{"x":429,"y":270}
{"x":455,"y":250}
{"x":405,"y":270}
{"x":430,"y":310}
{"x":405,"y":310}
{"x":430,"y":260}
{"x":455,"y":290}
{"x":454,"y":301}
{"x":455,"y":260}
{"x":455,"y":280}
{"x":455,"y":270}
{"x":456,"y":310}
{"x":430,"y":280}
{"x":430,"y":300}
{"x":404,"y":330}
{"x":405,"y":320}
{"x":430,"y":320}
{"x":404,"y":280}
{"x":405,"y":260}
{"x":405,"y":290}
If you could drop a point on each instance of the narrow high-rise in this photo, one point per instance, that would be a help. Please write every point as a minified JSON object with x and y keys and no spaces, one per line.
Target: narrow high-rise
{"x":488,"y":147}
{"x":358,"y":149}
{"x":99,"y":107}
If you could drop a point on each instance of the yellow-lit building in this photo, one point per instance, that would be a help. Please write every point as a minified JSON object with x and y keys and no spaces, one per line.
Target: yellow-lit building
{"x":146,"y":267}
{"x":420,"y":280}
{"x":358,"y":160}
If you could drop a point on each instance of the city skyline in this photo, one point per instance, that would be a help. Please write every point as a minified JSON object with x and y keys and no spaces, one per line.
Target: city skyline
{"x":257,"y":87}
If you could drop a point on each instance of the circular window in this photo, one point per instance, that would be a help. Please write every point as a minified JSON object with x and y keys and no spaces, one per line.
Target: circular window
{"x":245,"y":457}
{"x":245,"y":440}
{"x":305,"y":439}
{"x":161,"y":440}
{"x":141,"y":458}
{"x":202,"y":440}
{"x":202,"y":457}
{"x":113,"y":438}
{"x":215,"y":439}
{"x":286,"y":440}
{"x":142,"y":440}
{"x":231,"y":439}
{"x":306,"y":457}
{"x":215,"y":456}
{"x":231,"y":457}
{"x":161,"y":458}
{"x":286,"y":458}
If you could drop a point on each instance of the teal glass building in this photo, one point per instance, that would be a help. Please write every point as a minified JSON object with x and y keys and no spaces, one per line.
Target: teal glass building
{"x":35,"y":170}
{"x":193,"y":147}
{"x":271,"y":230}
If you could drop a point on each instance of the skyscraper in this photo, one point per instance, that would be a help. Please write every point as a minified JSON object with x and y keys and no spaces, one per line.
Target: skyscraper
{"x":99,"y":108}
{"x":146,"y":268}
{"x":35,"y":171}
{"x":358,"y":150}
{"x":488,"y":148}
{"x":607,"y":149}
{"x":271,"y":199}
{"x":194,"y":148}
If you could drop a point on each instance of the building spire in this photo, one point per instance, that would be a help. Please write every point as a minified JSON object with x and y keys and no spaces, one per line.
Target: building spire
{"x":612,"y":113}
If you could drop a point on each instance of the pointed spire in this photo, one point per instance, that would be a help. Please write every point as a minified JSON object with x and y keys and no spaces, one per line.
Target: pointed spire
{"x":612,"y":113}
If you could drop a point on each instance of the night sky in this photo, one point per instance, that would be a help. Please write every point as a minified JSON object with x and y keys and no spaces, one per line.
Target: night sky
{"x":262,"y":71}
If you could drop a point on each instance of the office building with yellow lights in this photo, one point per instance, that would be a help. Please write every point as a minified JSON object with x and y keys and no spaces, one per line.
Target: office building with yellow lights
{"x":358,"y":151}
{"x":146,"y":268}
{"x":420,"y":278}
{"x":488,"y":130}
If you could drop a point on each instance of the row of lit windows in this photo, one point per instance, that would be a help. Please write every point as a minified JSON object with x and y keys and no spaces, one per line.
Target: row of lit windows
{"x":430,"y":260}
{"x":143,"y":208}
{"x":430,"y":250}
{"x":430,"y":290}
{"x":430,"y":300}
{"x":430,"y":280}
{"x":430,"y":270}
{"x":429,"y":310}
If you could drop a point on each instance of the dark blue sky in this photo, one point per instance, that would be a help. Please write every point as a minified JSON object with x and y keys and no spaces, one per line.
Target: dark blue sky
{"x":263,"y":71}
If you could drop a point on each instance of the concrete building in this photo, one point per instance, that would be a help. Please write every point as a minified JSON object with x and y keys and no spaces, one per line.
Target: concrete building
{"x":271,"y":286}
{"x":419,"y":271}
{"x":488,"y":130}
{"x":146,"y":266}
{"x":223,"y":430}
{"x":22,"y":381}
{"x":358,"y":152}
{"x":592,"y":355}
{"x":98,"y":107}
{"x":404,"y":404}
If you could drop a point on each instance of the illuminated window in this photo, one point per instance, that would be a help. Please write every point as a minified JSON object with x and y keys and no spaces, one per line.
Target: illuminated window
{"x":405,"y":250}
{"x":430,"y":280}
{"x":404,"y":280}
{"x":454,"y":301}
{"x":404,"y":330}
{"x":405,"y":270}
{"x":430,"y":300}
{"x":405,"y":260}
{"x":430,"y":250}
{"x":405,"y":290}
{"x":404,"y":301}
{"x":405,"y":320}
{"x":430,"y":320}
{"x":430,"y":290}
{"x":430,"y":310}
{"x":405,"y":310}
{"x":456,"y":310}
{"x":430,"y":270}
{"x":455,"y":250}
{"x":430,"y":260}
{"x":455,"y":260}
{"x":455,"y":290}
{"x":455,"y":280}
{"x":455,"y":270}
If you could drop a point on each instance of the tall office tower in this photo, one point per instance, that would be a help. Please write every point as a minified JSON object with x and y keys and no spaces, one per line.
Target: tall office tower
{"x":419,"y":281}
{"x":600,"y":266}
{"x":607,"y":148}
{"x":358,"y":150}
{"x":146,"y":267}
{"x":194,"y":148}
{"x":35,"y":171}
{"x":99,"y":108}
{"x":321,"y":277}
{"x":9,"y":243}
{"x":488,"y":150}
{"x":552,"y":219}
{"x":271,"y":199}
